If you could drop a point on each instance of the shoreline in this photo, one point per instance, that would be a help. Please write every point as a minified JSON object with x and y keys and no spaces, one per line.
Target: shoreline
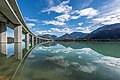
{"x":89,"y":40}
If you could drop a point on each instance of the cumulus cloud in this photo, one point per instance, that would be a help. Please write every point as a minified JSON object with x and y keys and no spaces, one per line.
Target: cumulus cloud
{"x":55,"y":29}
{"x":62,"y":8}
{"x":68,"y":13}
{"x":89,"y":12}
{"x":64,"y":30}
{"x":70,"y":30}
{"x":53,"y":22}
{"x":84,"y":29}
{"x":44,"y":32}
{"x":80,"y":24}
{"x":52,"y":31}
{"x":30,"y":25}
{"x":31,"y":19}
{"x":75,"y":17}
{"x":108,"y":13}
{"x":64,"y":17}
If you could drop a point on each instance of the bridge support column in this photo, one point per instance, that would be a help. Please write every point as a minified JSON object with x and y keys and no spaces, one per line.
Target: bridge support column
{"x":27,"y":41}
{"x":32,"y":40}
{"x":36,"y":40}
{"x":39,"y":41}
{"x":3,"y":38}
{"x":18,"y":41}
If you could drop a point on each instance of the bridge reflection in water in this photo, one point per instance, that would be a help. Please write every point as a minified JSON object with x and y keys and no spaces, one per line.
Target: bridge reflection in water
{"x":16,"y":54}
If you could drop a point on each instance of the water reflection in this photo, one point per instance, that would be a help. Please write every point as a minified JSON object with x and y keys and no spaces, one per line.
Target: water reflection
{"x":7,"y":67}
{"x":72,"y":61}
{"x":18,"y":50}
{"x":3,"y":48}
{"x":9,"y":62}
{"x":10,"y":49}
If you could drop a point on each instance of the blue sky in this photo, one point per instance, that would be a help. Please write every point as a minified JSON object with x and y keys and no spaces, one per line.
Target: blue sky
{"x":58,"y":17}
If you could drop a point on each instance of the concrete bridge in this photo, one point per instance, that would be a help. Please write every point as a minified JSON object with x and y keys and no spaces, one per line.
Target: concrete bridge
{"x":10,"y":16}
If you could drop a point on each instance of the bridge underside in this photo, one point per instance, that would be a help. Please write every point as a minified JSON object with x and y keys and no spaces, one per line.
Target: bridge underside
{"x":10,"y":16}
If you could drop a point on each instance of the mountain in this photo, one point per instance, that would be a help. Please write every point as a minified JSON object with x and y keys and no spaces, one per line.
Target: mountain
{"x":74,"y":35}
{"x":106,"y":32}
{"x":48,"y":36}
{"x":77,"y":35}
{"x":66,"y":36}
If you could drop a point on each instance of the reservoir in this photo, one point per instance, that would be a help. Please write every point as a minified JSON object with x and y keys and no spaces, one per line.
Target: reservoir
{"x":72,"y":61}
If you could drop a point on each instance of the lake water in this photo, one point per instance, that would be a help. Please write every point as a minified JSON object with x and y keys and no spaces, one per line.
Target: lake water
{"x":9,"y":62}
{"x":73,"y":61}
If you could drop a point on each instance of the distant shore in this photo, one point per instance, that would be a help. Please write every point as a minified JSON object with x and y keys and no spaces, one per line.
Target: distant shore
{"x":90,"y":40}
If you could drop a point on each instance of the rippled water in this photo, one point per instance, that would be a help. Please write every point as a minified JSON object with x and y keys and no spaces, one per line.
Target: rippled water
{"x":73,"y":61}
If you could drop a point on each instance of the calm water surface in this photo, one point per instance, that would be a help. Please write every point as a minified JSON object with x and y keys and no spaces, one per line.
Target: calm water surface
{"x":73,"y":61}
{"x":9,"y":62}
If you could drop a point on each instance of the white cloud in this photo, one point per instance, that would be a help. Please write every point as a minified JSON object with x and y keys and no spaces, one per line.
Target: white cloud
{"x":112,"y":19}
{"x":64,"y":30}
{"x":67,"y":30}
{"x":30,"y":25}
{"x":84,"y":29}
{"x":62,"y":8}
{"x":51,"y":2}
{"x":89,"y":12}
{"x":75,"y":17}
{"x":111,"y":8}
{"x":109,"y":13}
{"x":31,"y":19}
{"x":44,"y":32}
{"x":64,"y":17}
{"x":52,"y":31}
{"x":53,"y":22}
{"x":86,"y":3}
{"x":70,"y":30}
{"x":55,"y":29}
{"x":80,"y":24}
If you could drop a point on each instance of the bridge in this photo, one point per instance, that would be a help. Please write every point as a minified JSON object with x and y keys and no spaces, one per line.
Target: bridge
{"x":10,"y":16}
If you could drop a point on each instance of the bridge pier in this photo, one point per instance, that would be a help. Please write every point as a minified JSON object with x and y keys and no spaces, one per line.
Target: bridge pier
{"x":36,"y":40}
{"x":3,"y":38}
{"x":18,"y":41}
{"x":27,"y":41}
{"x":32,"y":40}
